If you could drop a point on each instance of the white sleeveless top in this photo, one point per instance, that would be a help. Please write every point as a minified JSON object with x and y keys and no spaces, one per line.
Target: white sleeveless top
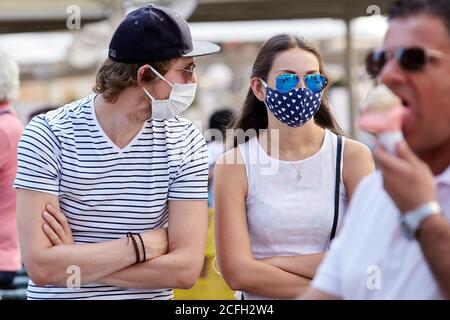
{"x":287,"y":216}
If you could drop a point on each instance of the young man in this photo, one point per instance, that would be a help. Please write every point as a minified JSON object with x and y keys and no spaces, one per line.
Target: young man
{"x":10,"y":131}
{"x":100,"y":179}
{"x":395,"y":243}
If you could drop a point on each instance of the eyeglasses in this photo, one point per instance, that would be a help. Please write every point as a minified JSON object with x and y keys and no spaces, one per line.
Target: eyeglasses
{"x":289,"y":81}
{"x":187,"y":72}
{"x":410,"y":59}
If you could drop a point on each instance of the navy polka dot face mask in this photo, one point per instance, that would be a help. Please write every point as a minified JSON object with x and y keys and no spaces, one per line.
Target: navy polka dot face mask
{"x":293,"y":108}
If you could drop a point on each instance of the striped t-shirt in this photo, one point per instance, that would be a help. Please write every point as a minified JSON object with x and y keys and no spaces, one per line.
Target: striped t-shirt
{"x":105,"y":191}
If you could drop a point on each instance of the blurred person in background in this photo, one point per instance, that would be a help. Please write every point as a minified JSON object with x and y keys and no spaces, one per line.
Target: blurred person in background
{"x":113,"y":187}
{"x":396,"y":242}
{"x":10,"y":131}
{"x":273,"y":229}
{"x":218,"y":122}
{"x":41,"y":110}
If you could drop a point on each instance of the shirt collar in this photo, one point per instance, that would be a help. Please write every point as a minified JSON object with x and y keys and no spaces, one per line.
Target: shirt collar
{"x":444,"y":177}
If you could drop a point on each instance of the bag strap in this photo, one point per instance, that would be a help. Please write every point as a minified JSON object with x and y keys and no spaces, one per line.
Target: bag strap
{"x":337,"y":187}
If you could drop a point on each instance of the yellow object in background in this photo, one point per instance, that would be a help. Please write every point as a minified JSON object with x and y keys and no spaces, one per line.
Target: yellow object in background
{"x":210,"y":285}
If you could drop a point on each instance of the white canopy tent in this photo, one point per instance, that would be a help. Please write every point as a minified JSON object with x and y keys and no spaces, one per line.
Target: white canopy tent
{"x":210,"y":20}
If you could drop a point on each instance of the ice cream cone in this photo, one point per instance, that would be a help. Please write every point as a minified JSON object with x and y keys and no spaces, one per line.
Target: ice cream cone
{"x":389,"y":140}
{"x":382,"y":113}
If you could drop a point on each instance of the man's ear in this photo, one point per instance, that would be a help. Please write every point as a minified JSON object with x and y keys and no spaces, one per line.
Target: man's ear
{"x":258,"y":89}
{"x":142,"y":75}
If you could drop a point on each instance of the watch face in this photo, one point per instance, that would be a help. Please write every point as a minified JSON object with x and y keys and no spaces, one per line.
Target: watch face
{"x":406,"y":231}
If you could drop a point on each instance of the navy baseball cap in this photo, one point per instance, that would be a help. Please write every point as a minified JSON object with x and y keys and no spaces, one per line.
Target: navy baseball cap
{"x":153,"y":33}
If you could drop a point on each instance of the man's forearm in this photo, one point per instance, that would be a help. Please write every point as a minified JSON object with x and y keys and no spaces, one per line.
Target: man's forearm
{"x":434,"y":239}
{"x":94,"y":261}
{"x":172,"y":270}
{"x":47,"y":263}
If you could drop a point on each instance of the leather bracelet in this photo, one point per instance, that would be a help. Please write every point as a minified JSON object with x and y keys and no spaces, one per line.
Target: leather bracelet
{"x":136,"y":248}
{"x":143,"y":247}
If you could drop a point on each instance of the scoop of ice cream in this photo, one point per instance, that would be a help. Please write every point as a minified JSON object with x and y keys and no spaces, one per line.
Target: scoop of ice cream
{"x":382,"y":111}
{"x":378,"y":122}
{"x":380,"y":99}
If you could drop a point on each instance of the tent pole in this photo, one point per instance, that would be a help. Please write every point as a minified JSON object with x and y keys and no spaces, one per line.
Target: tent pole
{"x":349,"y":67}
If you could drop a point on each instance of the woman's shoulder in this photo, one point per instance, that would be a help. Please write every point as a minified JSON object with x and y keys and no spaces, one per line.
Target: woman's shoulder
{"x":231,"y":157}
{"x":352,"y":149}
{"x":358,"y":163}
{"x":230,"y":170}
{"x":355,"y":150}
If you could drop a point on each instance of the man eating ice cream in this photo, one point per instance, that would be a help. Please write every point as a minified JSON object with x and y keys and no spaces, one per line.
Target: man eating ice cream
{"x":395,"y":243}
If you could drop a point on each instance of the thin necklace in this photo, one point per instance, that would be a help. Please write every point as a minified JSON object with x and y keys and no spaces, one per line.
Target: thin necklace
{"x":298,"y":174}
{"x":298,"y":169}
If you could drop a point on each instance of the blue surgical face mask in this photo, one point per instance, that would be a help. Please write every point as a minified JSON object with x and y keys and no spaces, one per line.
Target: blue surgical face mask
{"x":293,"y":108}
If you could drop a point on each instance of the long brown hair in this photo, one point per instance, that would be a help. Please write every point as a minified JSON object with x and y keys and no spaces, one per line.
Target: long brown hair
{"x":253,"y":114}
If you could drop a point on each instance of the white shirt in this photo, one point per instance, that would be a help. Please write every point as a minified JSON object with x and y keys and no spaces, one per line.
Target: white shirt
{"x":371,"y":259}
{"x":105,"y":191}
{"x":287,"y":216}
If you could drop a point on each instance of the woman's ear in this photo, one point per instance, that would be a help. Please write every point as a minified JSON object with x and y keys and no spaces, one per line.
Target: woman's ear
{"x":258,"y":89}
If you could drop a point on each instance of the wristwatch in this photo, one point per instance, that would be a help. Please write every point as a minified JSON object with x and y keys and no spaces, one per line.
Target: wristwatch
{"x":411,"y":220}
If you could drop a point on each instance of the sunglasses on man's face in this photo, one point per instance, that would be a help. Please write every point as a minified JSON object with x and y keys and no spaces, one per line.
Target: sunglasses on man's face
{"x":410,"y":59}
{"x":289,"y":81}
{"x":187,"y":72}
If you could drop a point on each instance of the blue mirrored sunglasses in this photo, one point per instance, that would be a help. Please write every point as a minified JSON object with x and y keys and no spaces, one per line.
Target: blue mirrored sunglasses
{"x":289,"y":81}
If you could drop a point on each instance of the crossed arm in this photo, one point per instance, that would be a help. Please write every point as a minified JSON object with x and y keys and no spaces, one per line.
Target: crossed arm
{"x":239,"y":268}
{"x":181,"y":266}
{"x":112,"y":262}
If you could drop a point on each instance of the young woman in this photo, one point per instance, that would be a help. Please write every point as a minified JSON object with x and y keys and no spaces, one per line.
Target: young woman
{"x":277,"y":201}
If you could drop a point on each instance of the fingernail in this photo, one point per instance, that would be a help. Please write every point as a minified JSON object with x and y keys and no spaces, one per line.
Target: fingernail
{"x":45,"y":214}
{"x":45,"y":226}
{"x":49,"y":206}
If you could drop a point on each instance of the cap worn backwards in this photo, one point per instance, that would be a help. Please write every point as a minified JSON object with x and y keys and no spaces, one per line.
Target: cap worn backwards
{"x":154,"y":33}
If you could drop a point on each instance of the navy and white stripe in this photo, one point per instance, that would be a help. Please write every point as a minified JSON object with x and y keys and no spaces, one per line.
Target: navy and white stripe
{"x":105,"y":191}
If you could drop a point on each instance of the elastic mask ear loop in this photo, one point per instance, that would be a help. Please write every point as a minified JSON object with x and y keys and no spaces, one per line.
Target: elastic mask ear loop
{"x":159,"y":75}
{"x":148,"y":94}
{"x":263,"y":83}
